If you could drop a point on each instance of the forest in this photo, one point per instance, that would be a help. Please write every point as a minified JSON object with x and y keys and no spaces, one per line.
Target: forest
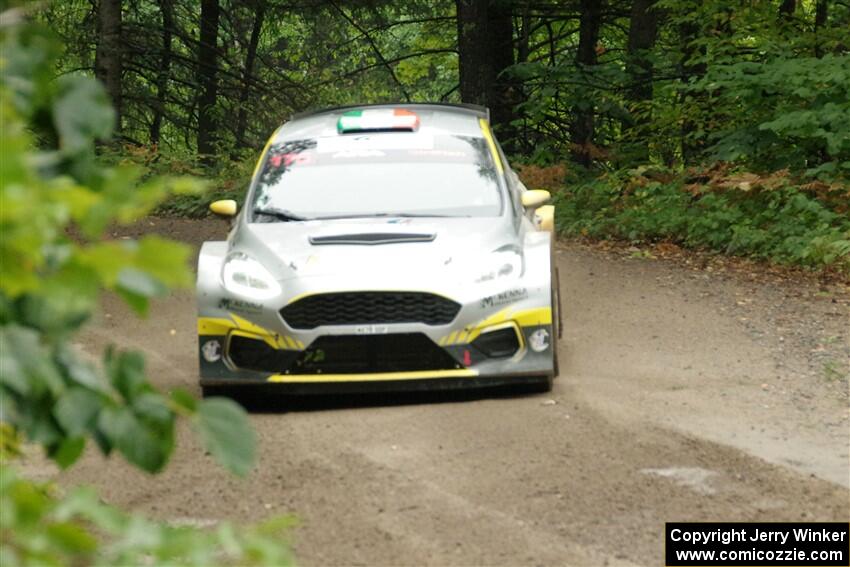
{"x":713,"y":124}
{"x":722,"y":126}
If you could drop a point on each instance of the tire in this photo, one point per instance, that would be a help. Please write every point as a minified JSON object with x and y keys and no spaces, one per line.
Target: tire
{"x":540,"y":386}
{"x":218,"y":392}
{"x":556,"y":322}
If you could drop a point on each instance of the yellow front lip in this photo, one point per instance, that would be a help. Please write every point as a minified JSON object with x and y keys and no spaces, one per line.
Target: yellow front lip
{"x":374,"y":377}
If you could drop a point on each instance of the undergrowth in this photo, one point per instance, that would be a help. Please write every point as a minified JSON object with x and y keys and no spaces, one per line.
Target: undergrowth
{"x":227,"y":178}
{"x":767,"y":217}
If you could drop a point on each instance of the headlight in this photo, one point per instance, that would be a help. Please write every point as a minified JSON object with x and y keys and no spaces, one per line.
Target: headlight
{"x":505,"y":264}
{"x":245,"y":276}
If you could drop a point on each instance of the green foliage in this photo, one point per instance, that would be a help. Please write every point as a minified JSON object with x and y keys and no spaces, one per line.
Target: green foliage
{"x":782,"y":113}
{"x":227,"y":178}
{"x":735,"y":82}
{"x":56,"y":200}
{"x":78,"y":529}
{"x":50,"y":282}
{"x":784,"y":225}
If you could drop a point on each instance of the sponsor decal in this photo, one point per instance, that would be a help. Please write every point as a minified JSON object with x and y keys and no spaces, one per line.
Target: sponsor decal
{"x":239,"y":305}
{"x":211,"y":351}
{"x":504,"y":298}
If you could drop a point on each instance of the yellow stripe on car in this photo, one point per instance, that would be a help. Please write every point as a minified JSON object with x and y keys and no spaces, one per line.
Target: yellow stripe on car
{"x":488,"y":135}
{"x":263,"y":154}
{"x":373,"y":377}
{"x":245,"y":328}
{"x":271,"y":340}
{"x":524,"y":318}
{"x":247,"y":325}
{"x":214,"y":326}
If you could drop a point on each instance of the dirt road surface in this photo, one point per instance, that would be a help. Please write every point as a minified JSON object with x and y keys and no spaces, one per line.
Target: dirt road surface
{"x":685,"y":395}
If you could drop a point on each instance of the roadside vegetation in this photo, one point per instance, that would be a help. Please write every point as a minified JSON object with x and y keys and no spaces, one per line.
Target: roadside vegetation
{"x":51,"y":395}
{"x":772,"y":218}
{"x":693,"y":122}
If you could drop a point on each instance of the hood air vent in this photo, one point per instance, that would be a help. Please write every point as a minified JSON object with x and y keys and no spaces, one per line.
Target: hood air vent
{"x":372,"y":238}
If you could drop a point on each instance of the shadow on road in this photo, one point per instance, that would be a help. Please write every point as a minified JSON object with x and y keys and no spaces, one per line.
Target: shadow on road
{"x":263,"y":401}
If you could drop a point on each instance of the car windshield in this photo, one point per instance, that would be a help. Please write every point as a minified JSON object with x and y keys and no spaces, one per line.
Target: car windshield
{"x":377,"y":174}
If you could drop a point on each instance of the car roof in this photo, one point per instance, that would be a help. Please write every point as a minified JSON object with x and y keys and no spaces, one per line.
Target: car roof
{"x":435,"y":118}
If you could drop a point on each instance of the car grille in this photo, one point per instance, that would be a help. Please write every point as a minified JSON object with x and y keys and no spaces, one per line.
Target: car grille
{"x":366,"y":307}
{"x":356,"y":354}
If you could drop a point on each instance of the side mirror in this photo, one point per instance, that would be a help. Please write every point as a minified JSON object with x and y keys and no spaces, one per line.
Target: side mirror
{"x":534,"y":198}
{"x":224,"y":207}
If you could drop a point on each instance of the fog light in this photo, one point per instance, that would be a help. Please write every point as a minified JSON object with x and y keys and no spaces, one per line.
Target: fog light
{"x":539,"y":340}
{"x":211,"y":351}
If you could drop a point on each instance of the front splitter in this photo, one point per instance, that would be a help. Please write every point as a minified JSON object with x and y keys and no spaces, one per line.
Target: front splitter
{"x":314,"y":386}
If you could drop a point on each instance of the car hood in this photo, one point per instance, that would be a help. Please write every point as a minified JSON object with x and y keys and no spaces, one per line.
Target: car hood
{"x":408,"y":246}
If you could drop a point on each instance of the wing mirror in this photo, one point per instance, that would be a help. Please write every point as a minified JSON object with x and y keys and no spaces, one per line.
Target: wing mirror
{"x":224,"y":208}
{"x":534,"y":198}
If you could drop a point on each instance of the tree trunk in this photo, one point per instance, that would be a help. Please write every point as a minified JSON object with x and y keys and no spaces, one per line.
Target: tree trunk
{"x":207,"y":78}
{"x":643,"y":29}
{"x":582,"y":127}
{"x":524,"y":34}
{"x":786,"y":17}
{"x":247,"y":74}
{"x":553,"y":49}
{"x":166,"y":7}
{"x":787,"y":8}
{"x":473,"y":55}
{"x":821,"y":15}
{"x":107,"y":59}
{"x":485,"y":45}
{"x":523,"y":143}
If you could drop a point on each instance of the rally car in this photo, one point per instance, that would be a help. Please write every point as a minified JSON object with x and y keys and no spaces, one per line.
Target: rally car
{"x":381,"y":247}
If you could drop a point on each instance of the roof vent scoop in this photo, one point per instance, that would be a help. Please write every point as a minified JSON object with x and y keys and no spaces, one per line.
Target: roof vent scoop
{"x":372,"y":238}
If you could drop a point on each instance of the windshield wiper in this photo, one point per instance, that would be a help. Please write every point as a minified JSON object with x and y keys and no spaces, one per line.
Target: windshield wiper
{"x":280,"y":214}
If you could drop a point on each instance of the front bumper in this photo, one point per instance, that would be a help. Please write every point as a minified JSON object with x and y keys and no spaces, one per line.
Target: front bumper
{"x":339,"y":352}
{"x":379,"y":357}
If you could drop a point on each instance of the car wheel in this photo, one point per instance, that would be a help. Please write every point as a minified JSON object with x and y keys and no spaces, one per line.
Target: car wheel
{"x":541,"y":386}
{"x":218,"y":392}
{"x":556,"y":322}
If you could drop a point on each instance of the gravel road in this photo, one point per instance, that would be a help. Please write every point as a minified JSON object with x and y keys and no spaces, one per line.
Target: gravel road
{"x":685,"y":395}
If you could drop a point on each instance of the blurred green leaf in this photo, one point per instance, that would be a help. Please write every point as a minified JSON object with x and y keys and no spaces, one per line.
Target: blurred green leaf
{"x":82,"y":113}
{"x":227,"y":434}
{"x":126,"y":371}
{"x":143,"y":446}
{"x":77,"y":409}
{"x":185,"y":400}
{"x":68,"y":451}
